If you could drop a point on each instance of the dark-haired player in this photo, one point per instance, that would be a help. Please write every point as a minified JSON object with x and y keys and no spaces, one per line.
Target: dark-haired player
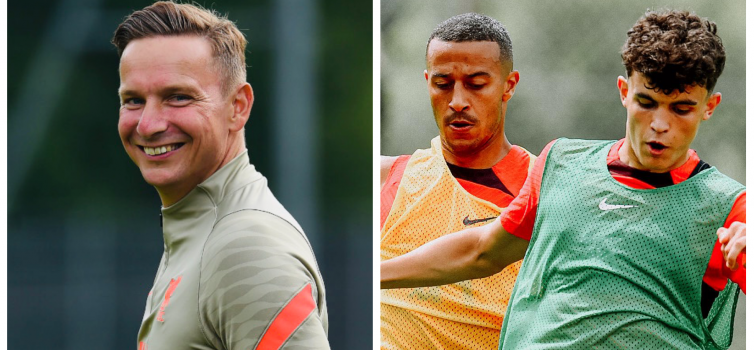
{"x":631,"y":243}
{"x":465,"y":179}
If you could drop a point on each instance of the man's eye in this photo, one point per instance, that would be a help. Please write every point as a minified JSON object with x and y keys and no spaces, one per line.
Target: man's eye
{"x":475,"y":86}
{"x":682,"y":110}
{"x":180,"y":100}
{"x":645,"y":103}
{"x":133,"y":102}
{"x":442,"y":85}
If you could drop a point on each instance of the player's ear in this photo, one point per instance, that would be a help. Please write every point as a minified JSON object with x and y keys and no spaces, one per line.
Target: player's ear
{"x":712,"y":103}
{"x":426,"y":75}
{"x":242,"y":102}
{"x":623,"y":89}
{"x":510,"y":85}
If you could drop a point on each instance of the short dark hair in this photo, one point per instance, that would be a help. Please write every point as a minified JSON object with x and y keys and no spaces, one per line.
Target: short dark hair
{"x":474,"y":27}
{"x":166,"y":18}
{"x":674,"y":50}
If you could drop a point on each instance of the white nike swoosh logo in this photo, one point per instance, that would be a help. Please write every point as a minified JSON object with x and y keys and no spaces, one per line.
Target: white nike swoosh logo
{"x":605,"y":206}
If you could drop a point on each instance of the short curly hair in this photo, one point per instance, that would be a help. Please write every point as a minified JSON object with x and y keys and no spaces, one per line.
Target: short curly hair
{"x":474,"y":27}
{"x":674,"y":50}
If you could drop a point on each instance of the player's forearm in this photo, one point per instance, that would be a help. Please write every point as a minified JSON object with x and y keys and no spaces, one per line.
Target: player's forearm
{"x":472,"y":253}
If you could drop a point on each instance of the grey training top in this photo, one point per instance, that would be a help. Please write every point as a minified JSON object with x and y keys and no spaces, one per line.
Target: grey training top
{"x":237,"y":272}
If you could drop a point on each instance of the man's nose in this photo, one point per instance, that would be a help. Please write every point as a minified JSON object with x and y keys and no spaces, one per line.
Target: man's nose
{"x":460,"y":101}
{"x":152,"y":120}
{"x":661,"y":121}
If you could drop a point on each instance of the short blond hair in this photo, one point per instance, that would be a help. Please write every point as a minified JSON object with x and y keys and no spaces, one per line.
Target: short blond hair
{"x":166,"y":18}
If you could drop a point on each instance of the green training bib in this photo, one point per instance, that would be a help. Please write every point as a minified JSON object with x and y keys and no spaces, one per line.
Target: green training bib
{"x":611,"y":267}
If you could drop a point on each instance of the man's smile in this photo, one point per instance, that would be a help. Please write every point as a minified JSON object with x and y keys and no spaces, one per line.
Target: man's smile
{"x":159,"y":150}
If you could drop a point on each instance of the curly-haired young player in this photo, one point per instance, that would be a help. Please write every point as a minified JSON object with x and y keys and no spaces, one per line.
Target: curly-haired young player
{"x":635,"y":243}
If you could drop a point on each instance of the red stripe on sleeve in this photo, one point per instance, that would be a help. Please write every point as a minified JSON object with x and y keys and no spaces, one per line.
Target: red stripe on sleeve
{"x":389,"y":189}
{"x":292,"y":316}
{"x":142,"y":345}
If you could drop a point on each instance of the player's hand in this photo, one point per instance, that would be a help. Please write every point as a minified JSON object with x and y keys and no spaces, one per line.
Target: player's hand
{"x":733,"y":243}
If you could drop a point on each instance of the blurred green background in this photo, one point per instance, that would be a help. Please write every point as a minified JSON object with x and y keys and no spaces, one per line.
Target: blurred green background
{"x":84,"y":239}
{"x":568,"y":56}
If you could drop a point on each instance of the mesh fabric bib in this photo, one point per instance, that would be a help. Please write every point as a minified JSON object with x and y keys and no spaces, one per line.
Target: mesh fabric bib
{"x":611,"y":267}
{"x":430,"y":203}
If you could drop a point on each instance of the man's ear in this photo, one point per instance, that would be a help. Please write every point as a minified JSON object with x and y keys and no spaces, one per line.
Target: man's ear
{"x":242,"y":102}
{"x":623,"y":89}
{"x":712,"y":103}
{"x":510,"y":85}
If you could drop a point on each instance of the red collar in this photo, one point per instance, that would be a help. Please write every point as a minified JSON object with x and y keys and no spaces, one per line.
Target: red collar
{"x":678,"y":174}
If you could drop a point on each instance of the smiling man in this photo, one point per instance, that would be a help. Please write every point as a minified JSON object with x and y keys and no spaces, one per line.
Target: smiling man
{"x":465,"y":179}
{"x":628,"y":244}
{"x":237,"y":271}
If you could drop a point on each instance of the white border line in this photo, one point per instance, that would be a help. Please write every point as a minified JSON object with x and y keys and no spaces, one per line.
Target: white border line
{"x":376,"y":173}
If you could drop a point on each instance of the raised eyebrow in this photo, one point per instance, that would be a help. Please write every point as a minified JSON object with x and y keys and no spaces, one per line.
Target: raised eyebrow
{"x":440,"y":75}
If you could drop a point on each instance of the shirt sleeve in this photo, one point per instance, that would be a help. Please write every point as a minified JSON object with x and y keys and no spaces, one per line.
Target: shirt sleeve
{"x":518,"y":218}
{"x":717,"y":273}
{"x":260,"y":286}
{"x":390,"y":188}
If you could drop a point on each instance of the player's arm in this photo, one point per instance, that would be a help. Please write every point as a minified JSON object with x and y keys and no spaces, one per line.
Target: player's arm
{"x":472,"y":253}
{"x":728,"y":260}
{"x":386,"y":163}
{"x":475,"y":252}
{"x":259,"y":287}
